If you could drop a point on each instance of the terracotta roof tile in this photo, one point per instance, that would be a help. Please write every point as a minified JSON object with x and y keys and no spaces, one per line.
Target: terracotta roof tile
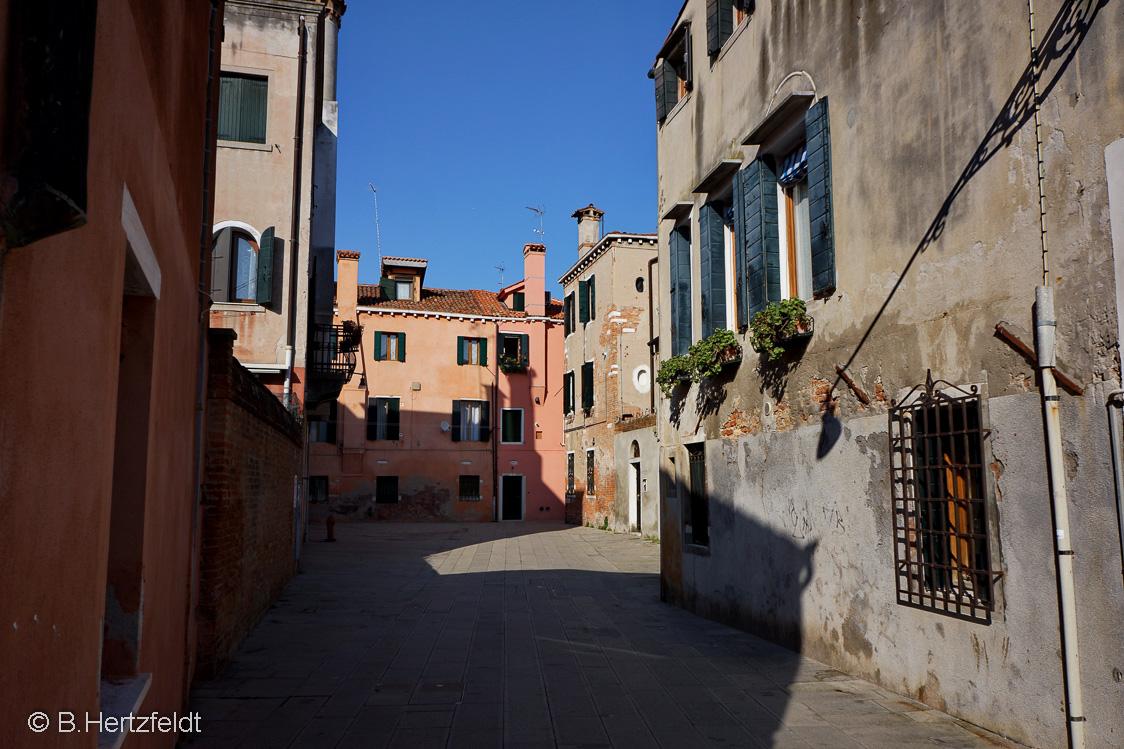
{"x":454,"y":301}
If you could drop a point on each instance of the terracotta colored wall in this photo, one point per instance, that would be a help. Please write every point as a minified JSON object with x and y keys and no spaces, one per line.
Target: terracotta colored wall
{"x":60,"y":326}
{"x":248,"y":533}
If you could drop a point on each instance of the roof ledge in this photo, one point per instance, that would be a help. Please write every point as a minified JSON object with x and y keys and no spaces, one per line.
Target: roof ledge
{"x":721,"y":172}
{"x":677,"y":211}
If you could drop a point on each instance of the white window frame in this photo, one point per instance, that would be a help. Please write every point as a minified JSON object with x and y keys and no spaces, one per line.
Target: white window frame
{"x":398,"y":288}
{"x":803,"y":254}
{"x":522,"y":434}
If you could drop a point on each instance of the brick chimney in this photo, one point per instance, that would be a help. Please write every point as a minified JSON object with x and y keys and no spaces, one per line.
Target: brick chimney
{"x":534,"y":279}
{"x":347,"y":283}
{"x":589,"y":226}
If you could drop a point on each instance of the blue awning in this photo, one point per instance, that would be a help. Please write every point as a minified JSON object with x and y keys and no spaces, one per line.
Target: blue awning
{"x":795,"y":167}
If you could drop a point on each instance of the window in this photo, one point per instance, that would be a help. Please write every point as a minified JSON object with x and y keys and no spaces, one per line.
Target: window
{"x":241,"y":268}
{"x":386,"y":490}
{"x":243,"y":104}
{"x":568,"y":392}
{"x":568,"y":313}
{"x":518,"y":301}
{"x":940,"y":508}
{"x":587,"y":300}
{"x":382,"y":419}
{"x":697,"y":512}
{"x":569,"y":473}
{"x":324,"y":431}
{"x":469,"y":489}
{"x":640,"y":284}
{"x":712,"y":266}
{"x":722,"y":17}
{"x":679,"y":272}
{"x":511,"y":425}
{"x":404,"y":290}
{"x":472,"y":351}
{"x":590,"y":473}
{"x":470,"y":421}
{"x":318,"y":489}
{"x":514,"y":352}
{"x":786,"y":244}
{"x":390,"y":346}
{"x":672,"y":73}
{"x":587,"y":385}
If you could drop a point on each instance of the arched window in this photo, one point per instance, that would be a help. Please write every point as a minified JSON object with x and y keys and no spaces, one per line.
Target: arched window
{"x":635,"y":449}
{"x":241,"y":267}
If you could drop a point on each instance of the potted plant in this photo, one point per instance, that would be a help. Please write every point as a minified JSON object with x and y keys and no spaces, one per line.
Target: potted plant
{"x":673,"y":371}
{"x":512,"y":364}
{"x":702,"y":360}
{"x":352,"y":336}
{"x":778,"y":324}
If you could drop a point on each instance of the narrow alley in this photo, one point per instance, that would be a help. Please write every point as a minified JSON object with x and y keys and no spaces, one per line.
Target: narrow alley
{"x":527,"y":636}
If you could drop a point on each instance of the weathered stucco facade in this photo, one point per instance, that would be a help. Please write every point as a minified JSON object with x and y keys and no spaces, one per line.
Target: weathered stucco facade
{"x":608,"y":375}
{"x":934,"y":194}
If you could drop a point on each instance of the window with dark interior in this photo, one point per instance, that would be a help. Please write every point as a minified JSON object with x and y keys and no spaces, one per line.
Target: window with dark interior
{"x":590,"y":472}
{"x":569,"y":473}
{"x":514,"y":352}
{"x":518,"y":301}
{"x":324,"y":431}
{"x":386,"y":489}
{"x":382,"y":419}
{"x":697,"y":515}
{"x":470,"y":421}
{"x":243,"y":106}
{"x":942,"y":549}
{"x":469,"y":489}
{"x":511,"y":425}
{"x":241,"y":267}
{"x":672,"y":73}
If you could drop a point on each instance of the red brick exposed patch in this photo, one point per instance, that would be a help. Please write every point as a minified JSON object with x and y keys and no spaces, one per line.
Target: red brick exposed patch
{"x":740,"y":423}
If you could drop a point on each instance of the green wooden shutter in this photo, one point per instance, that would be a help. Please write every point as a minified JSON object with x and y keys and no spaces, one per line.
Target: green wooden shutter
{"x":378,"y":346}
{"x":392,"y":420}
{"x":518,"y":301}
{"x":401,"y":347}
{"x":739,"y":249}
{"x":483,"y":352}
{"x":456,"y":431}
{"x":388,"y":291}
{"x":587,"y":385}
{"x":762,"y":236}
{"x":713,"y":39}
{"x":568,"y":392}
{"x":525,"y":350}
{"x":372,"y":419}
{"x":665,"y":90}
{"x":680,"y":272}
{"x":460,"y":350}
{"x":220,"y":268}
{"x":712,"y":257}
{"x":822,"y":227}
{"x":264,"y":293}
{"x":230,"y":90}
{"x":255,"y":103}
{"x":485,"y":421}
{"x":568,"y":310}
{"x":688,"y":63}
{"x":592,"y":297}
{"x":583,"y":301}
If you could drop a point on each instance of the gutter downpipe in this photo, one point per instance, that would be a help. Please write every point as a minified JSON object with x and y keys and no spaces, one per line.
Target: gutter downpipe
{"x":294,"y":232}
{"x":495,"y":426}
{"x":1117,"y":453}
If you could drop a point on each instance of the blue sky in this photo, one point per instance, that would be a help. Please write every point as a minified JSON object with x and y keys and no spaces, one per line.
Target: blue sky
{"x":462,"y":114}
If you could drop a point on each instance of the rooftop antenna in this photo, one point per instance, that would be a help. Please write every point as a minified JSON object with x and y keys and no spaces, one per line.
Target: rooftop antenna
{"x":378,"y":237}
{"x":540,"y":231}
{"x":500,"y":268}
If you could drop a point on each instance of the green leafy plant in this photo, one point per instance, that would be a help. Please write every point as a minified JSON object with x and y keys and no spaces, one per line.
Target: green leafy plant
{"x":352,"y":336}
{"x":512,"y":364}
{"x":777,"y":323}
{"x":702,"y":360}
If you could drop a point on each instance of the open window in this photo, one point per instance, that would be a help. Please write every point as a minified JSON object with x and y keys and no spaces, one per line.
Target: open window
{"x":471,"y":421}
{"x":673,"y":74}
{"x":515,"y":352}
{"x":382,"y":419}
{"x":722,"y":18}
{"x":242,"y":267}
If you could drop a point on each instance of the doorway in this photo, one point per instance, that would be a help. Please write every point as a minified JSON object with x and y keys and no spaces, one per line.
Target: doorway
{"x":511,"y":497}
{"x":634,"y":489}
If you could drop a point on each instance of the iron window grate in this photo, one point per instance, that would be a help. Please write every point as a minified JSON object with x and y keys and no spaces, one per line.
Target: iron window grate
{"x":941,"y":518}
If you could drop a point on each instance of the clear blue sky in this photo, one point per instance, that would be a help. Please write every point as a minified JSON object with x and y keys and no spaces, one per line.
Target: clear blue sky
{"x":462,"y":114}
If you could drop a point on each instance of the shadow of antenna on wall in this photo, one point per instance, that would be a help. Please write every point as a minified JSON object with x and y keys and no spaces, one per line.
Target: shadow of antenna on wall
{"x":1056,"y":50}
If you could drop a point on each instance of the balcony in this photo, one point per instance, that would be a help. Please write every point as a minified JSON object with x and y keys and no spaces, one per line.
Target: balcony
{"x":331,"y":363}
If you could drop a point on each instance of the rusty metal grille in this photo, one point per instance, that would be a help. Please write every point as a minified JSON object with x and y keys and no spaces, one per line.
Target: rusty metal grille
{"x":941,"y":526}
{"x":590,"y":473}
{"x":329,"y":356}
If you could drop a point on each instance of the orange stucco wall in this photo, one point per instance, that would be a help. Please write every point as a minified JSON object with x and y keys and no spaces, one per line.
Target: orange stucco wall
{"x":60,"y":336}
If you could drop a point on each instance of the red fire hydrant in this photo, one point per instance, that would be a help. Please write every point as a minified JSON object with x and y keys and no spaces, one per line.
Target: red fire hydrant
{"x":331,"y":524}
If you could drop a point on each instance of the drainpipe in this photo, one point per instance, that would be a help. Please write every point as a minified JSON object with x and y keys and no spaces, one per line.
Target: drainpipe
{"x":495,"y":428}
{"x":294,"y":231}
{"x":1117,"y":469}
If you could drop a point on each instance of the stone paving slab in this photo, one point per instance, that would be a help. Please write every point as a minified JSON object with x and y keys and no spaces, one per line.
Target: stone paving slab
{"x":520,"y":635}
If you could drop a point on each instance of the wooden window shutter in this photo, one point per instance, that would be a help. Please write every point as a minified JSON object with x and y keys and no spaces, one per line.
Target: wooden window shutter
{"x":525,"y":350}
{"x":688,"y":64}
{"x":761,"y":236}
{"x":264,"y":294}
{"x":587,"y":385}
{"x":456,"y":421}
{"x":712,"y":256}
{"x":485,"y":420}
{"x":392,"y":419}
{"x":220,"y":268}
{"x":739,"y":249}
{"x":378,"y":345}
{"x":460,"y":349}
{"x":822,"y":227}
{"x":665,"y":92}
{"x":388,"y":291}
{"x":592,"y":297}
{"x":713,"y":36}
{"x":483,"y":352}
{"x":583,"y":301}
{"x":518,"y":301}
{"x":568,"y":313}
{"x":230,"y":90}
{"x":255,"y":104}
{"x":372,"y":419}
{"x":401,"y":347}
{"x":568,"y":392}
{"x":680,"y":271}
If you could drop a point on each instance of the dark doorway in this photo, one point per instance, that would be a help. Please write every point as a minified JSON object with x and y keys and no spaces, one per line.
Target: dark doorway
{"x":512,"y":498}
{"x":639,"y":506}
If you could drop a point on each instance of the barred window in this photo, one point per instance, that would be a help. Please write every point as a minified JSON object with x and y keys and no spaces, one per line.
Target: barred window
{"x":469,"y":490}
{"x":941,"y":525}
{"x":697,"y":515}
{"x":590,"y":473}
{"x":386,"y":489}
{"x":570,"y":473}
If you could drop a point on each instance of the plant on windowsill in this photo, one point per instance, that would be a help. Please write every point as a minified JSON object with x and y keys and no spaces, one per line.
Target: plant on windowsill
{"x":673,"y":371}
{"x":511,"y":364}
{"x":702,"y":361}
{"x":352,"y":336}
{"x":778,"y":324}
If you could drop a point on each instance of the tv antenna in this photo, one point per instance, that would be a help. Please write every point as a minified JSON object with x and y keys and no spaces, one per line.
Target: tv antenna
{"x":378,"y":237}
{"x":540,"y":231}
{"x":500,"y":268}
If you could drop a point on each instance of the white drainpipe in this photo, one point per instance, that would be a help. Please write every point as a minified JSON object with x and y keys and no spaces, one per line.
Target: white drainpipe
{"x":1046,"y":336}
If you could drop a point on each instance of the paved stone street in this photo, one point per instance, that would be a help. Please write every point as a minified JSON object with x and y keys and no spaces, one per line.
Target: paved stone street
{"x":527,"y":636}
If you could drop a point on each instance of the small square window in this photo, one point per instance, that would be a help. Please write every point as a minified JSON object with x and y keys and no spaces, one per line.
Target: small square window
{"x":404,"y":290}
{"x":386,"y":490}
{"x":469,"y":489}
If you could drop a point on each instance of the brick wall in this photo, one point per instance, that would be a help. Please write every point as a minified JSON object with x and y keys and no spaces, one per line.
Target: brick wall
{"x":253,"y":455}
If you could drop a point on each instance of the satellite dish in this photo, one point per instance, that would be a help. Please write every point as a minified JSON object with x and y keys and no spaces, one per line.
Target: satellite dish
{"x":444,"y":426}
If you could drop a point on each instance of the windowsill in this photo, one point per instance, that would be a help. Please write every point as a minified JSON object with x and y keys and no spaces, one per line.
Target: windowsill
{"x":675,"y":110}
{"x":119,"y":699}
{"x":237,"y":307}
{"x":696,"y":549}
{"x":733,"y":37}
{"x":241,"y":146}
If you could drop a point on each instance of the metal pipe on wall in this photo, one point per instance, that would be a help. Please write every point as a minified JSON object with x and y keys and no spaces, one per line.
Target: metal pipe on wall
{"x":295,"y":226}
{"x":1117,"y":458}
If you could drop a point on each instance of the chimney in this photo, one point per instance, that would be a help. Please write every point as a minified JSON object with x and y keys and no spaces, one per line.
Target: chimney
{"x":589,"y":226}
{"x":347,"y":284}
{"x":534,"y":279}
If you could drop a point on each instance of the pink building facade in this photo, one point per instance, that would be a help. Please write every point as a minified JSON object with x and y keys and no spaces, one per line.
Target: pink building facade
{"x":454,"y":412}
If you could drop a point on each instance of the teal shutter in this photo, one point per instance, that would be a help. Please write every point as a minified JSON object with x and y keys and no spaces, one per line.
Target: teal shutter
{"x":592,"y":286}
{"x":456,"y":431}
{"x":525,"y":350}
{"x":483,"y":352}
{"x":392,"y":420}
{"x":220,"y":268}
{"x":401,"y":347}
{"x":460,"y":350}
{"x":518,"y":301}
{"x":688,"y":62}
{"x":485,"y":421}
{"x":583,"y":301}
{"x":762,"y":236}
{"x":712,"y":257}
{"x":387,"y":286}
{"x":680,"y":272}
{"x":569,"y":313}
{"x":719,"y":24}
{"x":265,"y":268}
{"x":243,"y":106}
{"x":378,"y":346}
{"x":822,"y":227}
{"x":739,"y":250}
{"x":587,"y":385}
{"x":568,"y":393}
{"x":666,"y":94}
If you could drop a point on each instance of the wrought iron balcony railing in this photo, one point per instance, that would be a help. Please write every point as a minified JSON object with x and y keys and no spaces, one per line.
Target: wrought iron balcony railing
{"x":331,"y":355}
